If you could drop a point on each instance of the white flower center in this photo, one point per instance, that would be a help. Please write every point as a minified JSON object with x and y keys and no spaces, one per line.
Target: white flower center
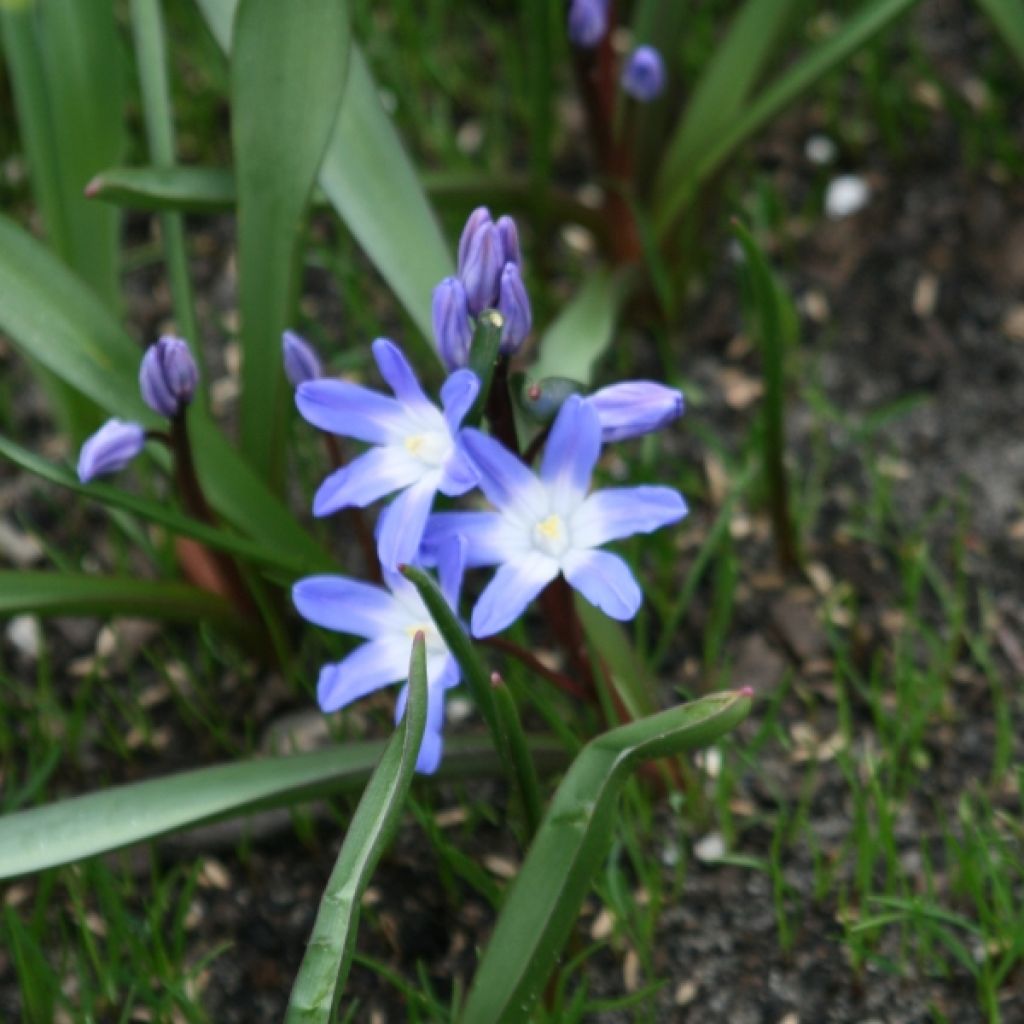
{"x":432,"y":447}
{"x":434,"y":642}
{"x":551,"y":536}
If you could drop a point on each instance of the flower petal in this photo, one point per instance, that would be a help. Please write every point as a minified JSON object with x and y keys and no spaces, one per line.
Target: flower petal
{"x":345,"y":605}
{"x":401,"y":524}
{"x":368,"y":668}
{"x":350,"y":410}
{"x":622,"y":511}
{"x":398,"y":373}
{"x":458,"y":393}
{"x":451,"y":567}
{"x":460,"y":474}
{"x":489,"y":538}
{"x":571,"y":453}
{"x":634,"y":407}
{"x":605,"y":581}
{"x":378,"y":472}
{"x":514,"y":586}
{"x":506,"y":480}
{"x":432,"y":745}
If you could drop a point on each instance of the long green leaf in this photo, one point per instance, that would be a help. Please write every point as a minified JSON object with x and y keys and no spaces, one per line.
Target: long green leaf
{"x":181,"y":189}
{"x":570,"y":847}
{"x":678,"y":191}
{"x":1008,"y":18}
{"x":732,"y":71}
{"x":368,"y":176}
{"x":271,"y":556}
{"x":151,"y":63}
{"x":63,"y":55}
{"x":83,"y":826}
{"x":583,"y":331}
{"x":288,"y":71}
{"x":57,"y":321}
{"x":321,"y":977}
{"x":66,"y":593}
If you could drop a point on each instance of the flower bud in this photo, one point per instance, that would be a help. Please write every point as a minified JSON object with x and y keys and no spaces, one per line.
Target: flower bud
{"x":643,"y":77}
{"x":168,"y":376}
{"x":110,"y":449}
{"x":635,"y":407}
{"x":481,"y":272}
{"x":509,"y":235}
{"x":453,"y":329}
{"x":301,"y":363}
{"x":542,"y":399}
{"x":588,"y":22}
{"x":476,"y":220}
{"x":514,"y":306}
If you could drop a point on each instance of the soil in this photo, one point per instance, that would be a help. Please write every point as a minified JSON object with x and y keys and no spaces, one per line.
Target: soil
{"x":919,"y":294}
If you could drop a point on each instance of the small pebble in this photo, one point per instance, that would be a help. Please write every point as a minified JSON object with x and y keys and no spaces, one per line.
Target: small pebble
{"x":711,"y":848}
{"x":26,"y":636}
{"x":820,"y":150}
{"x":845,"y":196}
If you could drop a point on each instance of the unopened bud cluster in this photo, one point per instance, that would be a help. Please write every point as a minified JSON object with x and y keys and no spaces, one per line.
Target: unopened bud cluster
{"x":489,"y":276}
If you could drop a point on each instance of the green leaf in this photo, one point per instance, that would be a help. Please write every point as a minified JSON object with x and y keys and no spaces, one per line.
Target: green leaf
{"x":272,"y":556}
{"x":83,"y":826}
{"x":154,"y":80}
{"x":67,"y":593}
{"x":181,"y":189}
{"x":1008,"y":18}
{"x":570,"y":847}
{"x":583,"y":331}
{"x":69,"y":89}
{"x":369,"y":178}
{"x":54,"y":319}
{"x":775,"y":323}
{"x":322,"y":974}
{"x":287,"y":75}
{"x":608,"y":640}
{"x":678,"y":192}
{"x":732,"y":71}
{"x":498,"y":711}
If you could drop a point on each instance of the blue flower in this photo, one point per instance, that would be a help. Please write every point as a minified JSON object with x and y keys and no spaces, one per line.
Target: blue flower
{"x":453,"y":329}
{"x":301,"y":363}
{"x":549,"y":524}
{"x":635,"y":407}
{"x":588,"y":22}
{"x":415,"y":450}
{"x":110,"y":449}
{"x":643,"y":77}
{"x":388,"y":619}
{"x":514,"y":306}
{"x":168,"y":376}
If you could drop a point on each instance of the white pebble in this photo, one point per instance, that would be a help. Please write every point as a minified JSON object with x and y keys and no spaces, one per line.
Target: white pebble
{"x":846,"y":195}
{"x":710,"y":848}
{"x":25,"y":636}
{"x":820,"y":150}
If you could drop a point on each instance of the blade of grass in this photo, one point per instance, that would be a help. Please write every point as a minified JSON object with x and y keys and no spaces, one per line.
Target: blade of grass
{"x":67,"y":593}
{"x":774,"y":326}
{"x":570,"y":847}
{"x":324,"y":968}
{"x":676,"y":193}
{"x":151,"y":63}
{"x":288,"y":71}
{"x":725,"y":85}
{"x":83,"y":826}
{"x":372,"y":183}
{"x":178,"y":189}
{"x":1008,"y":18}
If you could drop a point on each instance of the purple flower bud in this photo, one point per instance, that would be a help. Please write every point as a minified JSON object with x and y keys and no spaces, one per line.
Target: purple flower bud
{"x":301,"y":363}
{"x":509,"y":236}
{"x":453,"y":329}
{"x":635,"y":407}
{"x":110,"y":449}
{"x":481,"y":272}
{"x":643,"y":77}
{"x":588,"y":22}
{"x":476,"y":220}
{"x":514,"y":306}
{"x":168,"y":376}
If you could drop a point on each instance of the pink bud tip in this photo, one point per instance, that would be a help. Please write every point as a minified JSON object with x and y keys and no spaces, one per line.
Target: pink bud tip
{"x":533,"y":392}
{"x":496,"y":679}
{"x":93,"y":188}
{"x":747,"y":691}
